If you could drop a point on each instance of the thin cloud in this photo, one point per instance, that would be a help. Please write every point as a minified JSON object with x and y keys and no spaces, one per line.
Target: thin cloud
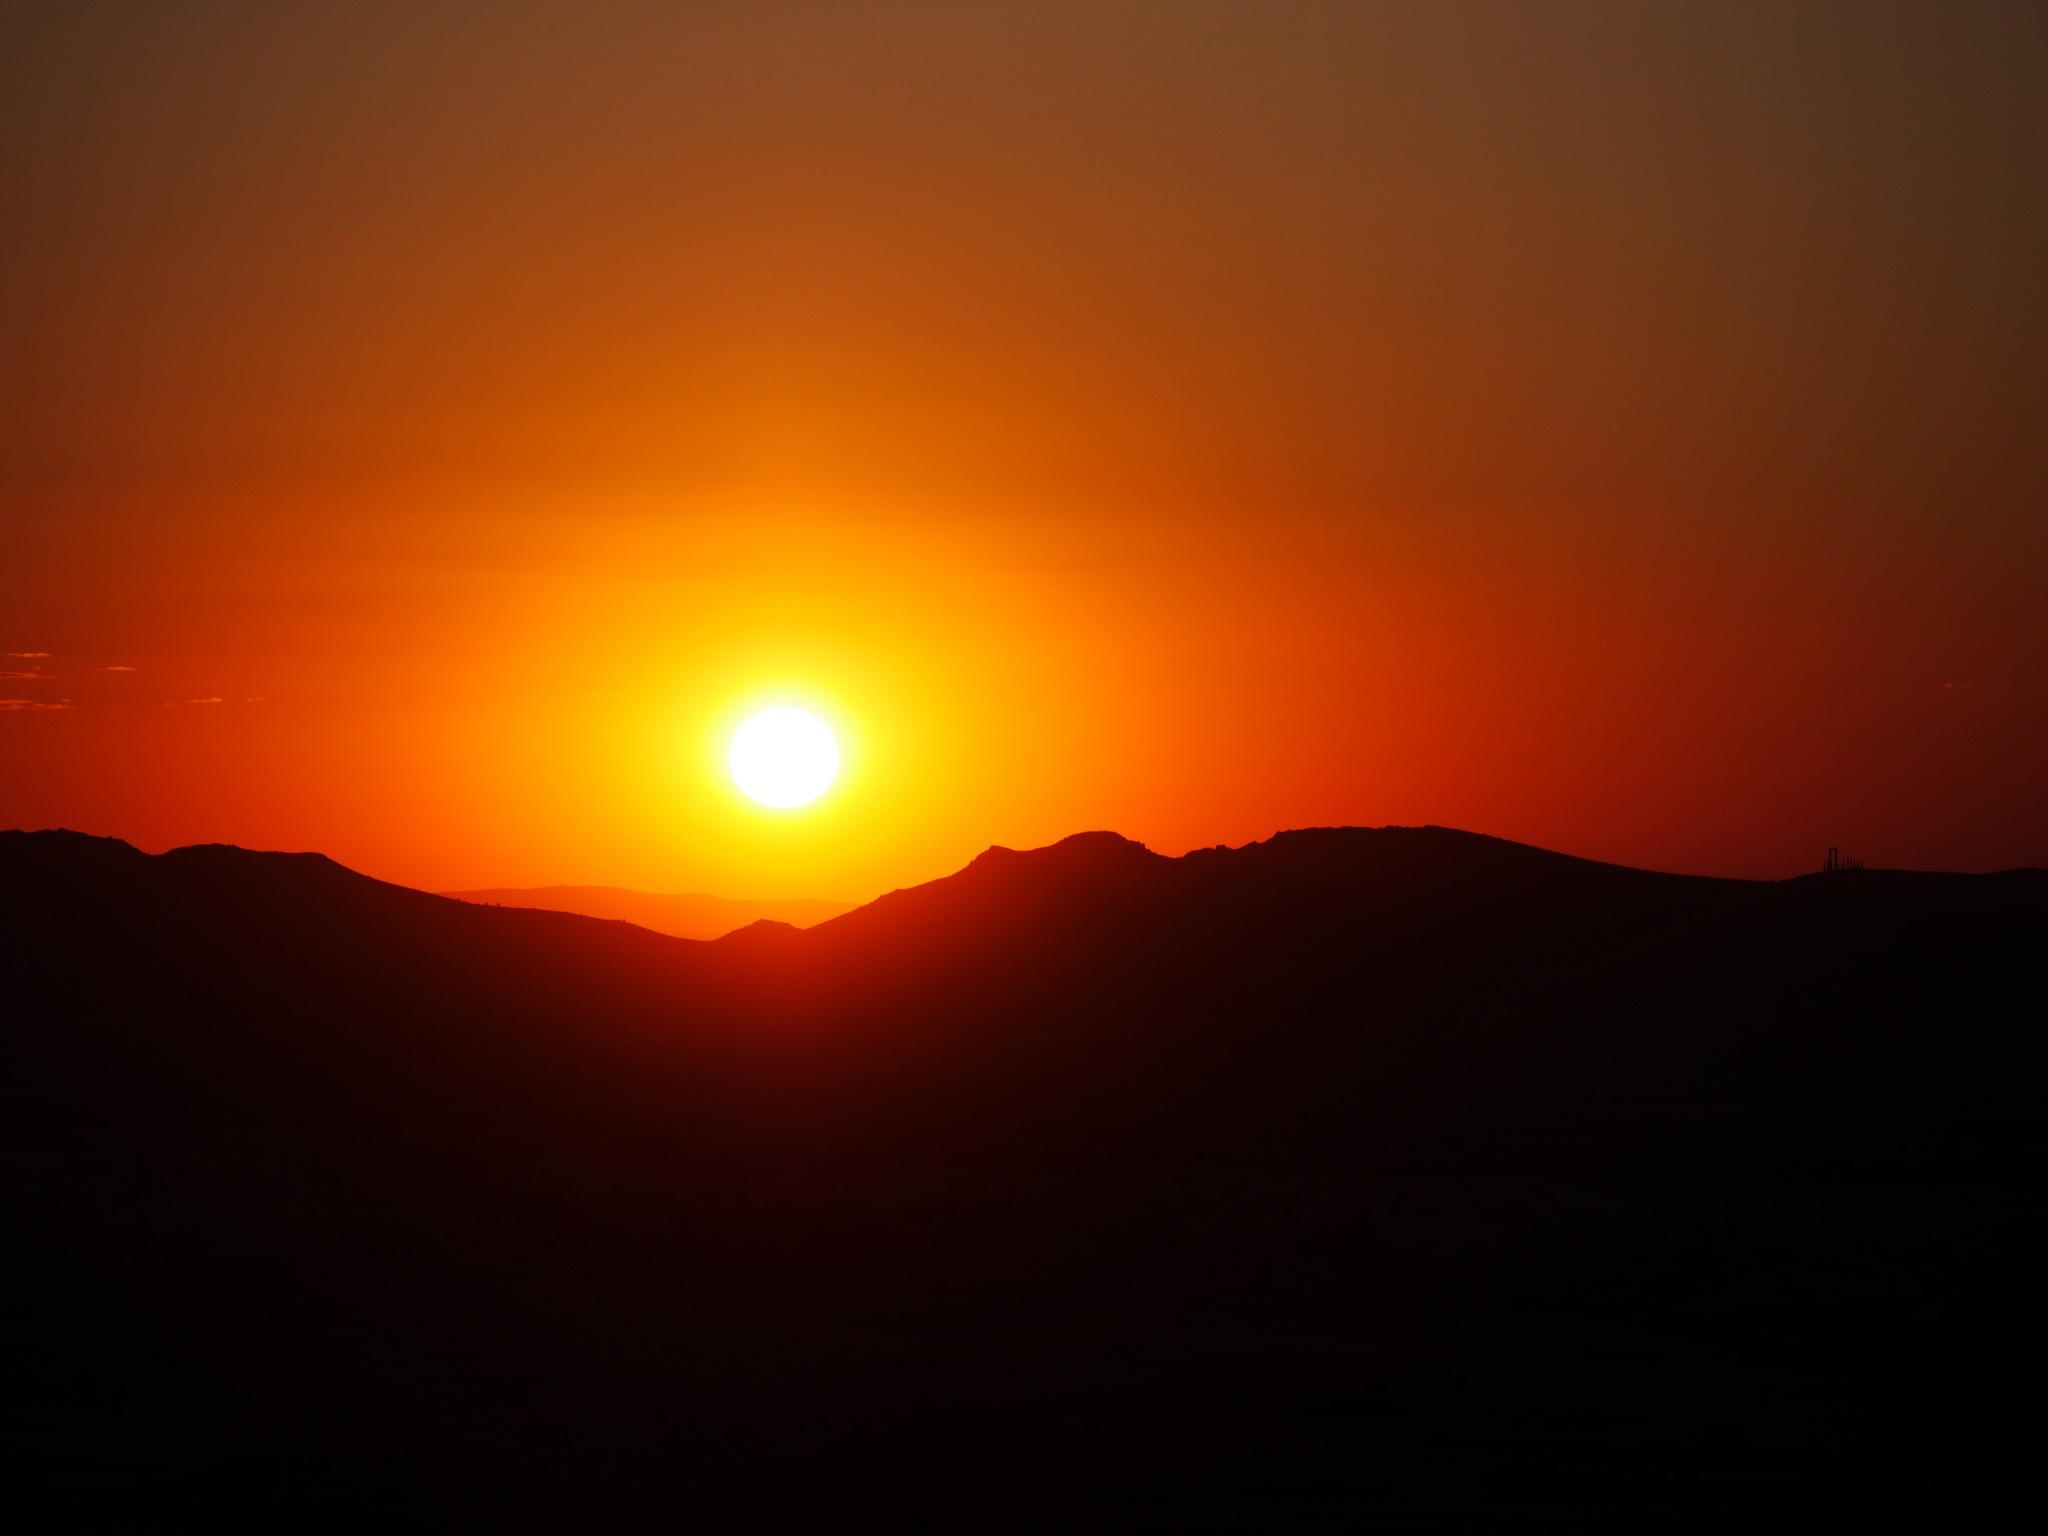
{"x":214,"y":700}
{"x":28,"y":655}
{"x":38,"y":677}
{"x":18,"y":705}
{"x":117,"y":669}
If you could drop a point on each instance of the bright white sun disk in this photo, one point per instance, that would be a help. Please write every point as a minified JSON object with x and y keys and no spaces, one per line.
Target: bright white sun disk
{"x":784,"y":758}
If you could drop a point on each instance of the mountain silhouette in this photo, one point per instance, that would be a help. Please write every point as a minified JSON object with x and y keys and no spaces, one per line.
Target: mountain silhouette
{"x":683,"y":916}
{"x":1400,"y":1176}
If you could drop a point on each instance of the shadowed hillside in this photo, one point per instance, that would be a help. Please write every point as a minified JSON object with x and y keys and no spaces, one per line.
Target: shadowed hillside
{"x":683,"y":917}
{"x":1395,"y":1175}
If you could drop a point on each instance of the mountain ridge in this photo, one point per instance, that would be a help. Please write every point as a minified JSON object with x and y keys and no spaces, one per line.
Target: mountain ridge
{"x":1082,"y":1169}
{"x":1077,"y":853}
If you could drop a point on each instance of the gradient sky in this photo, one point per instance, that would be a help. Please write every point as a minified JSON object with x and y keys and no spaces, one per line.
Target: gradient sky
{"x":1621,"y":427}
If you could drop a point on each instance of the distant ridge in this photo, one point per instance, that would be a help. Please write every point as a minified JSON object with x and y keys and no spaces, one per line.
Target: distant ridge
{"x":686,"y":916}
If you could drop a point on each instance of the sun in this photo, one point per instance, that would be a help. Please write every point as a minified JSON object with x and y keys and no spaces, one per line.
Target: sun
{"x":783,"y":758}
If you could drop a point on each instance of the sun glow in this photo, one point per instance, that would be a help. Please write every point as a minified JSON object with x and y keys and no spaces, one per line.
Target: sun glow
{"x":783,"y":758}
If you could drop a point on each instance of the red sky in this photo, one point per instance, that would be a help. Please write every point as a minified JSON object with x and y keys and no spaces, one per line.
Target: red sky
{"x":1618,"y":427}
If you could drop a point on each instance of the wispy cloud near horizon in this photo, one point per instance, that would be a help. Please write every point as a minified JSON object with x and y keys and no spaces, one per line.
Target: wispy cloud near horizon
{"x":21,"y":705}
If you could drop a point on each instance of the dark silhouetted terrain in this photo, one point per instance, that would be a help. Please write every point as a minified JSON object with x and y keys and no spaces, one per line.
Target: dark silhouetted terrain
{"x":684,"y":917}
{"x":1358,"y":1179}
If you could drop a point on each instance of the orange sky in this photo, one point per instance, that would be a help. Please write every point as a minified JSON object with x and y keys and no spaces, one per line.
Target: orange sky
{"x":1620,"y":428}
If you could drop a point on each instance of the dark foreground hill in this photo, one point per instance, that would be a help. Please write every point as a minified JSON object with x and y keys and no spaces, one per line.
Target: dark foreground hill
{"x":683,"y":916}
{"x":1398,"y":1178}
